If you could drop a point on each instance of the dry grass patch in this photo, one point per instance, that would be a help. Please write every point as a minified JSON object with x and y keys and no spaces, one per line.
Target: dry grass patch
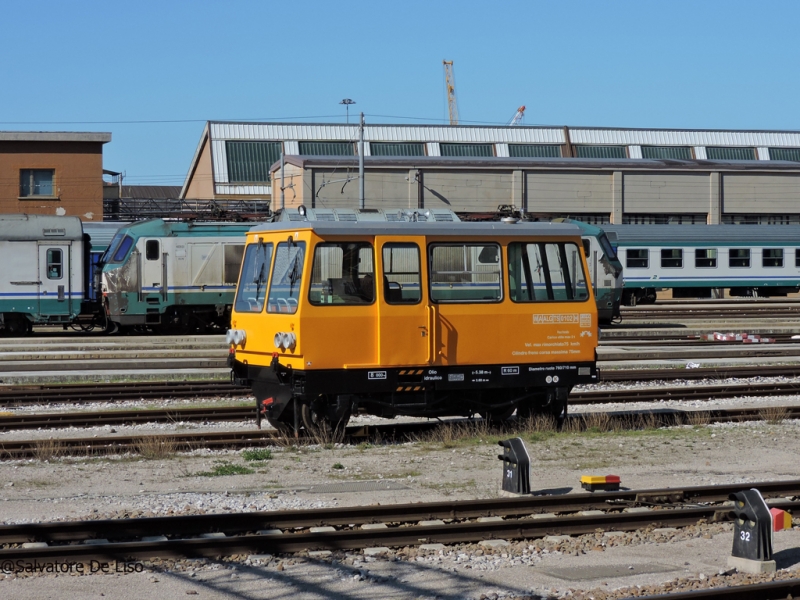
{"x":48,"y":449}
{"x":775,"y":414}
{"x":698,"y":418}
{"x":155,"y":446}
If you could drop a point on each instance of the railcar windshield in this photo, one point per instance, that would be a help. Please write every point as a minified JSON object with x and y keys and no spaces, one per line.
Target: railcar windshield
{"x":252,"y":286}
{"x":287,"y":277}
{"x":122,"y":250}
{"x":342,"y":273}
{"x":112,"y":247}
{"x":542,"y":272}
{"x":605,"y":244}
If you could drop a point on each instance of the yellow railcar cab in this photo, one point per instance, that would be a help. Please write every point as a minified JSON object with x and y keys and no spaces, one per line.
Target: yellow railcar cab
{"x":412,"y":318}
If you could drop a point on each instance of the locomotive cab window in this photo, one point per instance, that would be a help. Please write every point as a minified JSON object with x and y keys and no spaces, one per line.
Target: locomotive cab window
{"x":637,"y":258}
{"x":342,"y":274}
{"x":739,"y":257}
{"x":152,"y":249}
{"x":252,"y":286}
{"x":122,"y":249}
{"x":705,"y":258}
{"x":772,"y":257}
{"x":546,"y":272}
{"x":401,"y":274}
{"x":465,"y":273}
{"x":55,"y":265}
{"x":287,"y":277}
{"x":672,"y":258}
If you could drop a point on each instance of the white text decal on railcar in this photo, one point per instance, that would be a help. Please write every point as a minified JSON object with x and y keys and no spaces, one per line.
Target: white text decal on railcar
{"x":554,"y":319}
{"x":376,"y":375}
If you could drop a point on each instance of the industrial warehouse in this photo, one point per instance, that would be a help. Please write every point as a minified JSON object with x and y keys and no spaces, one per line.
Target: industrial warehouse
{"x":617,"y":176}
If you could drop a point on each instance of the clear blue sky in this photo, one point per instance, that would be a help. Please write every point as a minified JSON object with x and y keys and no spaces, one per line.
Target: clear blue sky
{"x":137,"y":69}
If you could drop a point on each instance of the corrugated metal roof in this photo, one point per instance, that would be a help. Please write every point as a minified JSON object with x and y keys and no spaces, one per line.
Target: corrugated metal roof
{"x":151,"y":191}
{"x":54,"y":136}
{"x":666,"y":137}
{"x":386,"y":133}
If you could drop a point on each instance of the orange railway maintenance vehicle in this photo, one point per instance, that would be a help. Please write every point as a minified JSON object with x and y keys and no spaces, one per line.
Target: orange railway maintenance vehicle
{"x":411,"y":318}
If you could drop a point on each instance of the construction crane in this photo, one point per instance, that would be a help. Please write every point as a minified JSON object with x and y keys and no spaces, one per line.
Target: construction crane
{"x":450,"y":83}
{"x":518,"y":117}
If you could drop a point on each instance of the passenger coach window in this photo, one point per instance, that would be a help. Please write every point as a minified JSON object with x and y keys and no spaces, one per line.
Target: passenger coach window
{"x":672,"y":258}
{"x":465,"y":273}
{"x":152,"y":250}
{"x":342,"y":273}
{"x":705,"y":258}
{"x":54,"y":263}
{"x":772,"y":257}
{"x":546,"y":272}
{"x":233,"y":263}
{"x":739,"y":257}
{"x":401,"y":274}
{"x":797,"y":258}
{"x":636,"y":258}
{"x":253,"y":281}
{"x":287,"y":275}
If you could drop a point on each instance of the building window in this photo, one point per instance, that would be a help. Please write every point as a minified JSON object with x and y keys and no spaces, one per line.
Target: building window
{"x":327,"y":149}
{"x":672,"y":258}
{"x":534,"y":150}
{"x":466,"y":149}
{"x":705,"y":258}
{"x":36,"y":182}
{"x":397,"y":149}
{"x":772,"y":257}
{"x":792,"y":154}
{"x":54,"y":263}
{"x":601,"y":152}
{"x":637,"y":258}
{"x":720,"y":153}
{"x":670,"y":152}
{"x":249,"y":162}
{"x":644,"y":219}
{"x":739,"y":257}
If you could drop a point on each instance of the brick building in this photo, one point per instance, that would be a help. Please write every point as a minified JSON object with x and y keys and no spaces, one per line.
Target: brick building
{"x":52,"y":173}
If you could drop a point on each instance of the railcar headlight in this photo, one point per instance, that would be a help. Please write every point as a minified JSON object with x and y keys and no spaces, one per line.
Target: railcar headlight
{"x":236,"y":337}
{"x":286,"y":341}
{"x":289,"y":340}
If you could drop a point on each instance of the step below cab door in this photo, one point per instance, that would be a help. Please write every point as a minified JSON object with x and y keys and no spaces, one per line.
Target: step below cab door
{"x":404,"y":332}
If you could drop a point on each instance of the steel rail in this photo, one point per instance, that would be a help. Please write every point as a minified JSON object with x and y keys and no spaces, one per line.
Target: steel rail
{"x":661,"y":417}
{"x":684,"y":393}
{"x":63,"y":531}
{"x":348,"y":539}
{"x":772,"y":590}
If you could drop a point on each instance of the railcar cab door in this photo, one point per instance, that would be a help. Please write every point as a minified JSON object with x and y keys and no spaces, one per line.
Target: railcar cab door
{"x":404,"y":332}
{"x":55,"y":278}
{"x":153,"y":272}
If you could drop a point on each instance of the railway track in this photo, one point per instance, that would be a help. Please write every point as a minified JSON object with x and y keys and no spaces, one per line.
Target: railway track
{"x":728,"y":312}
{"x":52,"y":420}
{"x":450,"y":522}
{"x":773,"y":590}
{"x":174,"y":442}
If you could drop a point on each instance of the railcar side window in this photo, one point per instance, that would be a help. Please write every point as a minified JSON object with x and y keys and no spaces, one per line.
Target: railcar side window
{"x":253,"y":281}
{"x":287,"y":276}
{"x":152,"y":250}
{"x":672,"y":258}
{"x":739,"y":257}
{"x":122,"y":249}
{"x":465,"y":273}
{"x":797,"y":258}
{"x":342,"y":274}
{"x":705,"y":258}
{"x":543,"y":272}
{"x":637,"y":258}
{"x":55,"y":265}
{"x":772,"y":257}
{"x":401,"y":274}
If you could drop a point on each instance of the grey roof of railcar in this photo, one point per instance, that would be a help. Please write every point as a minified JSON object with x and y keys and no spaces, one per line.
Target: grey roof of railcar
{"x":21,"y":227}
{"x":490,"y":229}
{"x":730,"y":235}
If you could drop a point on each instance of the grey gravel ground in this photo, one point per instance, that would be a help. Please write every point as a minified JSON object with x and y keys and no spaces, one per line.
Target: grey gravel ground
{"x":434,"y":468}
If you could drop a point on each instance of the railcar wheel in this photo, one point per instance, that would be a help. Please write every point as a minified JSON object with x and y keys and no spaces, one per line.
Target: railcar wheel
{"x":498,"y":415}
{"x":327,"y":416}
{"x":17,"y":326}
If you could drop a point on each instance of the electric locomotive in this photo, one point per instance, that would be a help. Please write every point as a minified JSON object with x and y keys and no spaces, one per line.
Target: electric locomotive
{"x":413,"y":317}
